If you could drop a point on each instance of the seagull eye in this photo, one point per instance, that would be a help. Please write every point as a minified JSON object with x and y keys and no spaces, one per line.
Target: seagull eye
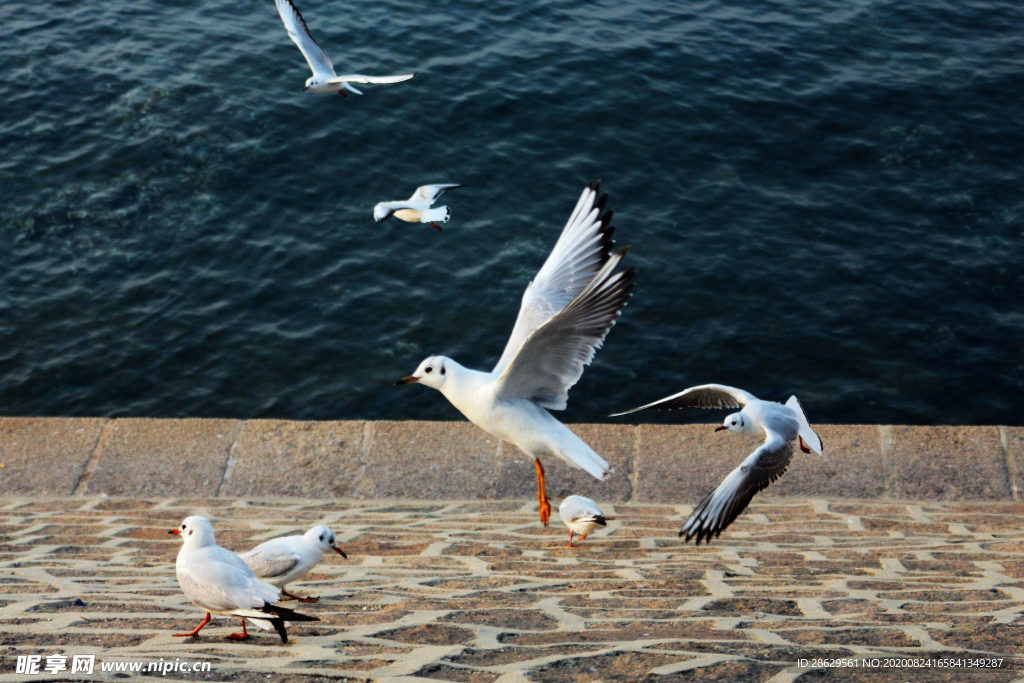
{"x":321,"y":537}
{"x":429,"y":370}
{"x":183,"y":527}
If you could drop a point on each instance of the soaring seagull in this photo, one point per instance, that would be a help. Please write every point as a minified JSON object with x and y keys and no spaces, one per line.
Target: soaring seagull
{"x":324,"y":79}
{"x":566,"y":311}
{"x":783,"y":426}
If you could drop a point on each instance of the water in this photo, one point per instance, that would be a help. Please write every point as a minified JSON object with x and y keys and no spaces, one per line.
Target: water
{"x":821,"y":200}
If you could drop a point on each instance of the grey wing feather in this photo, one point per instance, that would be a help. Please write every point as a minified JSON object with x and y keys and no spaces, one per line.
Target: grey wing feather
{"x":723,"y":505}
{"x":583,"y":247}
{"x":551,"y":360}
{"x":298,"y":31}
{"x":702,"y":396}
{"x":270,"y":564}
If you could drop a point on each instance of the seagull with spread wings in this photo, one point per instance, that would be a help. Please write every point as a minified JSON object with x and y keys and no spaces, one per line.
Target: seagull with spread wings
{"x":783,"y":426}
{"x":416,"y":209}
{"x":565,"y":313}
{"x":324,"y":79}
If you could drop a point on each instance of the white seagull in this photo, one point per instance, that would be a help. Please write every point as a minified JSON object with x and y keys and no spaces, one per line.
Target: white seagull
{"x":582,"y":516}
{"x":782,"y":426}
{"x":416,"y":209}
{"x":565,"y":313}
{"x":324,"y":79}
{"x":219,"y":582}
{"x":282,"y":560}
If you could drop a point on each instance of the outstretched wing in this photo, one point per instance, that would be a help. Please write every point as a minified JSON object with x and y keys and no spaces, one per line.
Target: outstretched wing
{"x":702,"y":396}
{"x":430,"y":193}
{"x":360,"y":78}
{"x":552,"y":358}
{"x":723,"y":505}
{"x":315,"y":56}
{"x":582,"y":248}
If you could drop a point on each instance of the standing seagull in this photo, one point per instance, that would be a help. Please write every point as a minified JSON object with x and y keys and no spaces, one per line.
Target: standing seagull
{"x":416,"y":209}
{"x":782,"y":425}
{"x":219,"y":582}
{"x":565,"y":313}
{"x":324,"y":79}
{"x":582,"y":516}
{"x":282,"y":560}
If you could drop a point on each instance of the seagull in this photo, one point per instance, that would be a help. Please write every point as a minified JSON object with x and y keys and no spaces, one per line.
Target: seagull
{"x":582,"y":516}
{"x":416,"y":209}
{"x":566,"y":311}
{"x":283,"y":560}
{"x":324,"y":79}
{"x":219,"y":582}
{"x":782,"y":427}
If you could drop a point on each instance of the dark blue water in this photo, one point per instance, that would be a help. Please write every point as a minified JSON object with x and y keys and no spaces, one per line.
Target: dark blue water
{"x":824,"y":200}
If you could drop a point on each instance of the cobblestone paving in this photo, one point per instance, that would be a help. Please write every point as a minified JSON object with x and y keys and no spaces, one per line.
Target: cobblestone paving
{"x":479,"y":591}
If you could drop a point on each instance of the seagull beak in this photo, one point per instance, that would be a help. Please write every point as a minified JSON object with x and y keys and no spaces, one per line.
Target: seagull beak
{"x":176,"y":532}
{"x":305,"y":88}
{"x":406,"y":380}
{"x":720,"y":428}
{"x":340,"y":551}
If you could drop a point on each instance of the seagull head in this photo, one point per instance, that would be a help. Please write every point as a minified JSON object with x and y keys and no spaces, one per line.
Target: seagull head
{"x":311,"y":82}
{"x":323,"y":538}
{"x":195,"y":531}
{"x":737,"y":422}
{"x":433,"y":372}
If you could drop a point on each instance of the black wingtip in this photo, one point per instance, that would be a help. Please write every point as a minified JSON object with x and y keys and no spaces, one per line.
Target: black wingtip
{"x":279,"y":627}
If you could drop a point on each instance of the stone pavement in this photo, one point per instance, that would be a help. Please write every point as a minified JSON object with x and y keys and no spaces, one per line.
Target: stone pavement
{"x":477,"y":590}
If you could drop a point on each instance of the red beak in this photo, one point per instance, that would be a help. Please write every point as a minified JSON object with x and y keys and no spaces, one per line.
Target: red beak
{"x":176,"y":532}
{"x":718,"y":429}
{"x":406,"y":380}
{"x":340,"y":551}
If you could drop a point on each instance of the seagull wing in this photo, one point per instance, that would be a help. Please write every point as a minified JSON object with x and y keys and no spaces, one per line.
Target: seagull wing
{"x":360,"y":78}
{"x":430,"y":193}
{"x":383,"y":210}
{"x":702,"y":396}
{"x":580,"y":508}
{"x":719,"y":508}
{"x":583,"y":247}
{"x":268,"y":563}
{"x":221,"y":581}
{"x":552,"y":357}
{"x":315,"y":56}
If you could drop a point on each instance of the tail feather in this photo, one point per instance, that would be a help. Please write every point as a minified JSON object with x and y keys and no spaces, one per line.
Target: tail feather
{"x":584,"y":457}
{"x":809,"y":436}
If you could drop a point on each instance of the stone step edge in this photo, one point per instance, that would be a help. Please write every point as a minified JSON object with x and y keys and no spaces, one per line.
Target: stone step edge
{"x":425,"y":460}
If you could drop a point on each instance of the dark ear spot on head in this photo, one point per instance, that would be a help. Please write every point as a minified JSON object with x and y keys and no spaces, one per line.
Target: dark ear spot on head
{"x":321,"y":537}
{"x":442,"y":369}
{"x":190,"y":532}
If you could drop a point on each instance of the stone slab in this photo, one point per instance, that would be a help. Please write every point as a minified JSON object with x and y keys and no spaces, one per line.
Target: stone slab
{"x":295,"y":458}
{"x":45,"y":456}
{"x":681,"y":463}
{"x":850,"y":468}
{"x":1013,"y":444}
{"x":144,"y":457}
{"x":948,"y":463}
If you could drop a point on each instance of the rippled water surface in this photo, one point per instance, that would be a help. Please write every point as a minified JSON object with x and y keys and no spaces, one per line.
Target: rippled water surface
{"x":824,"y":200}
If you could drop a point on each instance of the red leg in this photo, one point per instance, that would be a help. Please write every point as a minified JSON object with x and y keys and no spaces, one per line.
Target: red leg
{"x":542,"y":494}
{"x":803,"y":446}
{"x":292,"y":596}
{"x":436,"y":226}
{"x":342,"y":93}
{"x":570,"y":539}
{"x":240,"y":636}
{"x":196,"y":632}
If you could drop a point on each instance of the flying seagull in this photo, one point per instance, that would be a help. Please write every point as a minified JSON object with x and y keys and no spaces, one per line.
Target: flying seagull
{"x":282,"y":560}
{"x":582,"y":516}
{"x":783,"y":426}
{"x":219,"y":582}
{"x":416,"y":209}
{"x":566,"y":311}
{"x":324,"y":79}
